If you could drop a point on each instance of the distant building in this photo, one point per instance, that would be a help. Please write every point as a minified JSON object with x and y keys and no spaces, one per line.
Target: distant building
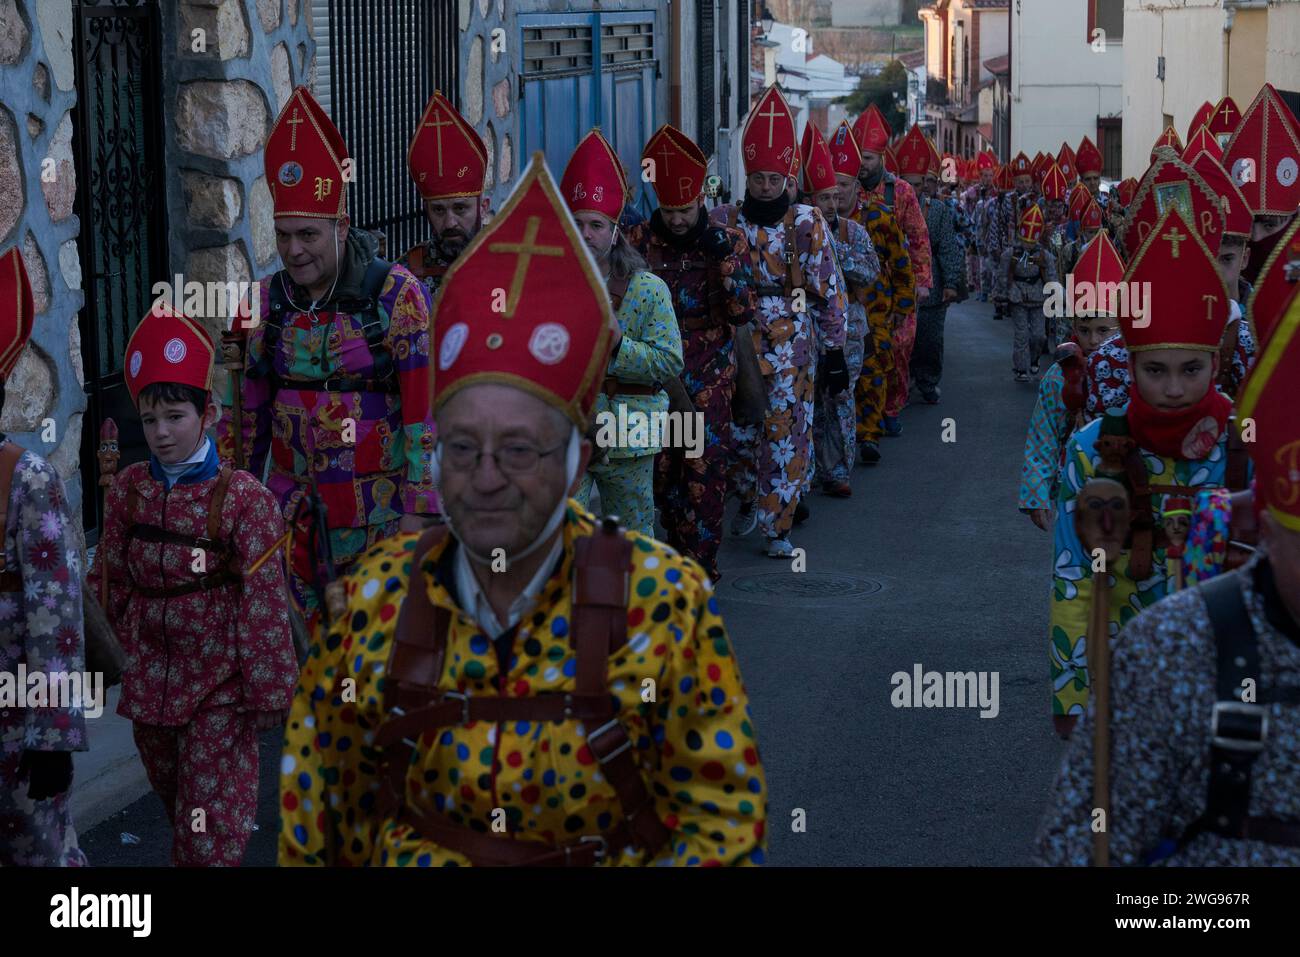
{"x":961,"y":37}
{"x":866,"y":13}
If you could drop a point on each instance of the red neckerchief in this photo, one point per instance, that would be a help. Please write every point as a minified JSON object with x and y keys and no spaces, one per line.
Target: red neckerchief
{"x":1188,"y":433}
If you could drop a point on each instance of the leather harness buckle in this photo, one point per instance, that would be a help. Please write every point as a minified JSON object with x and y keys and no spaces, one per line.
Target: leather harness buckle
{"x":464,"y":704}
{"x":611,"y":723}
{"x":1246,"y":745}
{"x":602,"y":847}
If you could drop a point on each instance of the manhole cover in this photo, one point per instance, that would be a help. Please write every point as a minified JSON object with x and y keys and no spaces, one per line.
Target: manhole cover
{"x":803,"y":586}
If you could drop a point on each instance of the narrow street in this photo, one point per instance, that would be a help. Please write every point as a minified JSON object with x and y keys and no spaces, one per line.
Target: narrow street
{"x":928,"y":564}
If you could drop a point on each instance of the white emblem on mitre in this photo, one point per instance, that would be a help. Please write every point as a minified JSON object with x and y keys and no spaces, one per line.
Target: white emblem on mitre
{"x":174,"y":351}
{"x":549,"y":343}
{"x":137,"y":359}
{"x":452,"y":343}
{"x":1286,"y":170}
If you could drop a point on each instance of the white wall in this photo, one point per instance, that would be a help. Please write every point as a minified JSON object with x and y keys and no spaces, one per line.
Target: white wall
{"x":1059,"y":84}
{"x":865,"y":13}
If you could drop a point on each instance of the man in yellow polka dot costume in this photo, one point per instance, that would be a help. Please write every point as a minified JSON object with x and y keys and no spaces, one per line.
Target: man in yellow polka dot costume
{"x":524,"y":685}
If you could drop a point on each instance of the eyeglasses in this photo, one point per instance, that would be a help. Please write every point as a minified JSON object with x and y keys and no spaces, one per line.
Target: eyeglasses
{"x":514,"y":459}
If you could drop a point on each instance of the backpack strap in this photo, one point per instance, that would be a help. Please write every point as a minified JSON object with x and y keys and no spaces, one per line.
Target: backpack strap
{"x":1238,"y":729}
{"x":10,"y":453}
{"x":793,"y":271}
{"x":1237,"y":465}
{"x":1143,"y":522}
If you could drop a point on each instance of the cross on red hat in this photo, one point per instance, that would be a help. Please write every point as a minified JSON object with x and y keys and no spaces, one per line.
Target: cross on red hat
{"x":872,"y":130}
{"x":1168,"y":138}
{"x":1126,"y":190}
{"x":594,"y":179}
{"x":818,"y":171}
{"x":768,"y":141}
{"x":17,"y":312}
{"x":1200,"y":118}
{"x":168,"y":347}
{"x":1030,"y":227}
{"x":679,"y":167}
{"x":845,"y":155}
{"x":1223,"y":122}
{"x":1171,"y":181}
{"x":913,"y":153}
{"x":304,"y":161}
{"x":524,"y":306}
{"x":446,"y":156}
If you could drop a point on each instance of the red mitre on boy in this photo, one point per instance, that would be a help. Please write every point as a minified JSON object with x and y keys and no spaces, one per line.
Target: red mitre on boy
{"x":304,"y":161}
{"x":446,"y":156}
{"x":17,"y":312}
{"x":871,"y":130}
{"x":1030,"y":227}
{"x":1237,"y":220}
{"x":1125,"y":191}
{"x":1171,"y":180}
{"x":1021,"y":166}
{"x":168,"y":347}
{"x":1054,"y":183}
{"x":1223,"y":122}
{"x":1270,"y":396}
{"x":1200,"y":118}
{"x":1099,"y":265}
{"x":1263,"y":156}
{"x":986,"y":160}
{"x":846,"y":158}
{"x":594,"y":178}
{"x":768,"y":142}
{"x":913,"y":153}
{"x":1090,"y":217}
{"x":1087,"y":158}
{"x":679,"y":167}
{"x":533,"y":251}
{"x":818,"y":172}
{"x":1065,"y":159}
{"x":1041,"y":161}
{"x":1188,"y":305}
{"x":1202,"y":141}
{"x":1274,"y":288}
{"x":1168,"y":138}
{"x":1003,"y":180}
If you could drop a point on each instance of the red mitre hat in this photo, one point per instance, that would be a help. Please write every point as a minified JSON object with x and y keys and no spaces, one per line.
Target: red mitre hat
{"x":797,"y":167}
{"x":1021,"y":166}
{"x":1200,"y":118}
{"x":304,"y":161}
{"x":1090,"y":215}
{"x":532,"y":250}
{"x":1099,"y":266}
{"x":679,"y":167}
{"x":1125,"y":191}
{"x":446,"y":156}
{"x":871,"y":130}
{"x":1054,"y":183}
{"x":1273,"y":289}
{"x":168,"y":347}
{"x":1170,"y":180}
{"x":594,"y":178}
{"x":1003,"y":180}
{"x":1236,"y":214}
{"x":986,"y":160}
{"x":1087,"y":158}
{"x":768,"y":142}
{"x":818,"y":171}
{"x":890,"y":158}
{"x":1188,"y":305}
{"x":935,"y":165}
{"x":1263,"y":156}
{"x":17,"y":312}
{"x":845,"y":155}
{"x":1069,"y":166}
{"x":1030,"y":227}
{"x":912,"y":154}
{"x":1202,"y":141}
{"x":1168,"y":138}
{"x":1270,"y":396}
{"x":1076,"y":199}
{"x":1224,"y":121}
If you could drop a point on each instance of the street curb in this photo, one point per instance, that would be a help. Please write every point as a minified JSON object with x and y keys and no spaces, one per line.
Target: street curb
{"x":109,"y":776}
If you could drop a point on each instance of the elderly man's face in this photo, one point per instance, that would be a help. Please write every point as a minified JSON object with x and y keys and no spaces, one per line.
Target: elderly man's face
{"x":488,"y":507}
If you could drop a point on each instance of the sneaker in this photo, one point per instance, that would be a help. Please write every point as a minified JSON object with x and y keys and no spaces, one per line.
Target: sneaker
{"x":801,"y":513}
{"x":869,"y":453}
{"x":779,"y":548}
{"x":1022,"y":376}
{"x":893,"y":427}
{"x":838,"y":489}
{"x":744,"y":521}
{"x":1033,"y":369}
{"x":930,"y":397}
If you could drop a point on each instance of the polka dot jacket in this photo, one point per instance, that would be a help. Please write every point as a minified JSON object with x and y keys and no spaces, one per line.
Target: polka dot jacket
{"x":683,"y":705}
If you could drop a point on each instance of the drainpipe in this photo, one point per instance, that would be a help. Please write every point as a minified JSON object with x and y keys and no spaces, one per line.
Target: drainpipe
{"x":1229,"y":18}
{"x":675,"y":80}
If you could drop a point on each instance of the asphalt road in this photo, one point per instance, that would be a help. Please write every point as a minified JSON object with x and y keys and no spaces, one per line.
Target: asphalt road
{"x":928,"y":564}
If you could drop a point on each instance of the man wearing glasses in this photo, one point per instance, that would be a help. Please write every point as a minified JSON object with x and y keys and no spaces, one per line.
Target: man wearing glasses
{"x":524,"y":685}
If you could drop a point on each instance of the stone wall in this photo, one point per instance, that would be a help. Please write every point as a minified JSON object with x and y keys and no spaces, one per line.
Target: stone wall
{"x":38,"y":186}
{"x":229,"y":67}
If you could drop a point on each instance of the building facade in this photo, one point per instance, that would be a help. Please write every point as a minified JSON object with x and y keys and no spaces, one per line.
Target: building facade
{"x":961,"y":37}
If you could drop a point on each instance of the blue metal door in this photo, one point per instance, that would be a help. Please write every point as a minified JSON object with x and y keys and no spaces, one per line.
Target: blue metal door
{"x":583,"y":70}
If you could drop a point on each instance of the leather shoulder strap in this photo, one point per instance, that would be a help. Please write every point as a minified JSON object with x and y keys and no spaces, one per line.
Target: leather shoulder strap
{"x":794,"y":272}
{"x":601,"y":575}
{"x":1236,"y":466}
{"x":217,"y":501}
{"x":9,"y":456}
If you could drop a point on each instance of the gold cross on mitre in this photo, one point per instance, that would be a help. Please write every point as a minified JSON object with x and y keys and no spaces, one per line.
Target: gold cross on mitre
{"x":437,"y":125}
{"x":293,"y":129}
{"x":1175,"y":237}
{"x":772,"y":117}
{"x":1226,"y":112}
{"x":525,"y":250}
